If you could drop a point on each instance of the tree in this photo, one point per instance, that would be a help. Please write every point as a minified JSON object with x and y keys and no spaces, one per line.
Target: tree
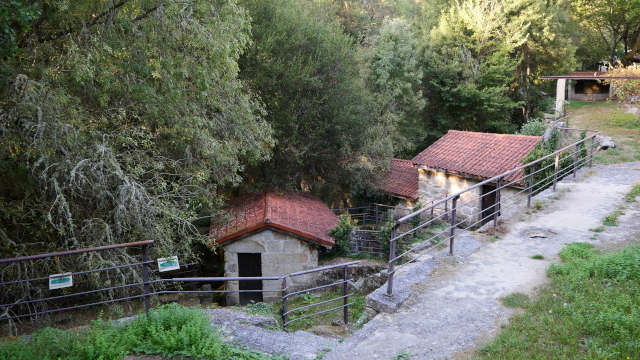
{"x":615,"y":23}
{"x":307,"y":72}
{"x":122,"y":121}
{"x":395,"y":77}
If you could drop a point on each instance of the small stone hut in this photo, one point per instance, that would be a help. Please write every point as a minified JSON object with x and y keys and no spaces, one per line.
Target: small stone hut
{"x":461,"y":159}
{"x":272,"y":234}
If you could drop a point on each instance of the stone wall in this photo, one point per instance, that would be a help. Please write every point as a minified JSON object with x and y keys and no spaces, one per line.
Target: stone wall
{"x":435,"y":185}
{"x":281,"y":254}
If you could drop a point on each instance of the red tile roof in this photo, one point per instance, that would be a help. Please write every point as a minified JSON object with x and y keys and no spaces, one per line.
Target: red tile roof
{"x":479,"y":155}
{"x":401,"y":180}
{"x":299,"y":214}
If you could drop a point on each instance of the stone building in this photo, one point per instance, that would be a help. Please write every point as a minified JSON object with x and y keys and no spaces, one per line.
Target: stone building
{"x":272,"y":234}
{"x":461,"y":159}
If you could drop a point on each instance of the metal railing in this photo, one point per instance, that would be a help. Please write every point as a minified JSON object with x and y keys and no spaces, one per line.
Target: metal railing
{"x":44,"y":300}
{"x":485,"y":202}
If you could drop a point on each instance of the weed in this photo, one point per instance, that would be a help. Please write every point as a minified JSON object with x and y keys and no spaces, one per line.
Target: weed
{"x":538,"y":257}
{"x":402,"y":355}
{"x":259,"y":308}
{"x":494,"y":238}
{"x":612,"y":219}
{"x":516,"y":300}
{"x":586,"y":312}
{"x":322,"y":353}
{"x":635,"y":191}
{"x":599,"y":229}
{"x":171,"y":330}
{"x":538,"y":205}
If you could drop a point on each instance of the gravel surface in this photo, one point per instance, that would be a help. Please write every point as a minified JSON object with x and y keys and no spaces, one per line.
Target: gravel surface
{"x":453,"y":305}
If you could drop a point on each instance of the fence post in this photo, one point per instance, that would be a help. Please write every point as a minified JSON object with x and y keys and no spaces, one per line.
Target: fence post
{"x":346,"y":297}
{"x":453,"y":223}
{"x":285,"y":316}
{"x":376,"y":211}
{"x":531,"y":172}
{"x":575,"y":160}
{"x":496,"y":205}
{"x":593,"y":141}
{"x":392,"y":254}
{"x":555,"y":172}
{"x":145,"y":279}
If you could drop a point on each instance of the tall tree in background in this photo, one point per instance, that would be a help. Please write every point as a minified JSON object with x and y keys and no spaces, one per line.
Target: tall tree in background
{"x":395,"y":78}
{"x":615,"y":24}
{"x":307,"y":72}
{"x":120,"y":122}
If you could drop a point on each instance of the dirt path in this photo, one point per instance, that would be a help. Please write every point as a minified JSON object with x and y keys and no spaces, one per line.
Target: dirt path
{"x":459,"y":307}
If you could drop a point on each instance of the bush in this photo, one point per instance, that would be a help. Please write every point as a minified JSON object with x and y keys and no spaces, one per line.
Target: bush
{"x":535,"y":127}
{"x":171,"y":330}
{"x":626,"y":90}
{"x":341,"y":234}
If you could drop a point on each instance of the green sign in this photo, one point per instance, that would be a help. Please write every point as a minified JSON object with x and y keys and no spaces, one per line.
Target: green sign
{"x":59,"y":281}
{"x":168,"y":264}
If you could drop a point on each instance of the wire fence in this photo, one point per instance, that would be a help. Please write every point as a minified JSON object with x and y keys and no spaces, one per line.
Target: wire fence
{"x":485,"y":202}
{"x":72,"y":290}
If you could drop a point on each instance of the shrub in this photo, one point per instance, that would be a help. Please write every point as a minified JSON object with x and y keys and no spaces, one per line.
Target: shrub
{"x":626,"y":90}
{"x":534,"y":127}
{"x":341,"y":235}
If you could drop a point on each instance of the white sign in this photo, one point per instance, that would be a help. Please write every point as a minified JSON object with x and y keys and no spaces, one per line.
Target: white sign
{"x":168,"y":264}
{"x":59,"y":281}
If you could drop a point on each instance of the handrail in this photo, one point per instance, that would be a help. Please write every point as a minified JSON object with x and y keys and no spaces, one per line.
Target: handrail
{"x":76,"y":251}
{"x":495,"y":178}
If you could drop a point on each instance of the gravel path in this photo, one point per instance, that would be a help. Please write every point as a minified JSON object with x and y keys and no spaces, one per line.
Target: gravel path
{"x":458,"y":305}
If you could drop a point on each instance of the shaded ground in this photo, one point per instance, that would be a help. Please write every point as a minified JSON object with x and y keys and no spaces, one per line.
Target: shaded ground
{"x":458,"y":305}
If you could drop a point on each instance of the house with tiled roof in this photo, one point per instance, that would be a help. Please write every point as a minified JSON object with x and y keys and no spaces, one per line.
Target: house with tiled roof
{"x":401,"y":181}
{"x":271,"y":234}
{"x":461,"y":159}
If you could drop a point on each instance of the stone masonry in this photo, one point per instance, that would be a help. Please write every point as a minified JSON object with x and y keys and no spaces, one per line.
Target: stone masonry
{"x":280,"y":254}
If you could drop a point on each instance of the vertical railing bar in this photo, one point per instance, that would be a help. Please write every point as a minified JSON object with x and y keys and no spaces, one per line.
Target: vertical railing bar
{"x":285,"y":316}
{"x":555,"y":172}
{"x":593,"y":140}
{"x":145,"y":278}
{"x":496,"y":205}
{"x":345,"y":294}
{"x":530,"y":190}
{"x":575,"y":160}
{"x":453,"y":224}
{"x":392,"y":255}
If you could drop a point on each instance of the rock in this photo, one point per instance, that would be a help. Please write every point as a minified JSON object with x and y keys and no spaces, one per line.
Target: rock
{"x":605,"y":142}
{"x":329,"y":331}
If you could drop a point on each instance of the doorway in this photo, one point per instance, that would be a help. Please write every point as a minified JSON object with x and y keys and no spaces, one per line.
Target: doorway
{"x":489,"y":206}
{"x":250,"y":264}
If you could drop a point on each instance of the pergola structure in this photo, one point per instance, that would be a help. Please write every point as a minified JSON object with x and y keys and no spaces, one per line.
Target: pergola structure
{"x":581,"y":75}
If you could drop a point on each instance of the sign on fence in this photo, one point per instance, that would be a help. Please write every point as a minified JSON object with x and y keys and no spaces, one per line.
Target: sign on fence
{"x":168,"y":264}
{"x":59,"y":281}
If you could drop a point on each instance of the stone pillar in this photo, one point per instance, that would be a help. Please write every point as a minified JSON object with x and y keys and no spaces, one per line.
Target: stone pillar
{"x":560,"y":92}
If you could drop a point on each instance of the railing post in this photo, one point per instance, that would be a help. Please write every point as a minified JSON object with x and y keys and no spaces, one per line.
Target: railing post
{"x":593,"y":141}
{"x":555,"y":172}
{"x":575,"y":160}
{"x":496,"y":205}
{"x":530,"y":191}
{"x":454,"y":202}
{"x":392,"y":254}
{"x":145,"y":279}
{"x":346,"y":298}
{"x":285,"y":316}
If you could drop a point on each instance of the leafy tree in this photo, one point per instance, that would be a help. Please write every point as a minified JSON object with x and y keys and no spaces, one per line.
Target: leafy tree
{"x":15,"y":19}
{"x":122,"y":121}
{"x":395,"y":77}
{"x":612,"y":23}
{"x":307,"y":72}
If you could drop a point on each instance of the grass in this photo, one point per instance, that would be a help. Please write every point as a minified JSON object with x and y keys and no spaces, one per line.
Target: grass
{"x":588,"y":311}
{"x":612,"y":219}
{"x":356,"y":309}
{"x":515,"y":300}
{"x":612,"y":120}
{"x":171,"y":330}
{"x":402,"y":355}
{"x":538,"y":257}
{"x":633,"y":194}
{"x":599,"y":229}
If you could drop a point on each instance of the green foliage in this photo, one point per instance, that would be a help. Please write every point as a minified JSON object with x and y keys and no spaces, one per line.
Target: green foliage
{"x":535,"y":127}
{"x":598,"y":229}
{"x":341,"y":233}
{"x":259,"y":308}
{"x":169,"y":331}
{"x":16,"y":17}
{"x":538,"y":257}
{"x":612,"y":219}
{"x":516,"y":300}
{"x":307,"y":72}
{"x":587,"y":312}
{"x":626,"y":90}
{"x":633,"y":193}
